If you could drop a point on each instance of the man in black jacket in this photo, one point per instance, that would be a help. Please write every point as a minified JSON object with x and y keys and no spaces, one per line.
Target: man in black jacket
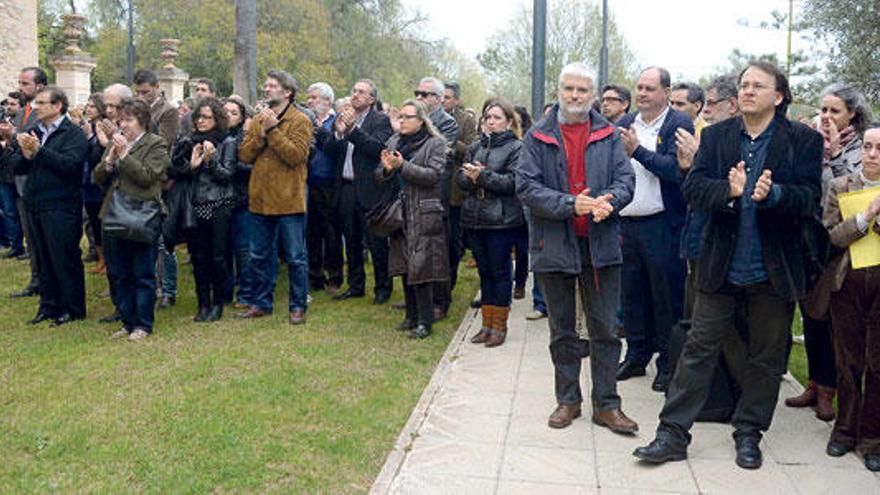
{"x":52,"y":156}
{"x":759,"y":177}
{"x":359,"y":135}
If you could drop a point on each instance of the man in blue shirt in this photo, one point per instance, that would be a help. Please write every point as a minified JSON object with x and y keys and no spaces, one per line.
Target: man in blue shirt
{"x":759,"y":178}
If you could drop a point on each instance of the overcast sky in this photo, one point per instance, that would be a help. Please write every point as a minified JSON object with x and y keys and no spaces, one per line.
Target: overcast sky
{"x":688,"y":37}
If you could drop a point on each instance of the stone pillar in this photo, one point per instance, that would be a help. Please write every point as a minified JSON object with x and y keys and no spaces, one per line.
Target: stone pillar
{"x":171,"y":79}
{"x":73,"y":67}
{"x":18,"y":40}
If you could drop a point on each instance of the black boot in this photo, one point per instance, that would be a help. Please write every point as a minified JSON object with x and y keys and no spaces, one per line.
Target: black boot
{"x":202,"y":314}
{"x":215,"y":313}
{"x":420,"y":332}
{"x":661,"y":450}
{"x":748,"y":454}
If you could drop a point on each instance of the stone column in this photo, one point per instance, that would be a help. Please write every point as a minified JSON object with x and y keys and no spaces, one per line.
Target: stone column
{"x":73,"y":67}
{"x":18,"y":40}
{"x":171,"y":79}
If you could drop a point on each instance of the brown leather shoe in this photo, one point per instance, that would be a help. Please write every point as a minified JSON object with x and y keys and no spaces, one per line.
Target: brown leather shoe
{"x":439,"y":313}
{"x":806,"y":399}
{"x":825,"y":402}
{"x":488,"y":314}
{"x":564,"y":415}
{"x":252,"y":312}
{"x":297,"y":317}
{"x":615,"y":421}
{"x":241,"y":306}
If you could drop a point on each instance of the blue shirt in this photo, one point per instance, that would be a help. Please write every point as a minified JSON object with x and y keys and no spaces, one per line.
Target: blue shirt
{"x":322,"y":167}
{"x":747,"y":264}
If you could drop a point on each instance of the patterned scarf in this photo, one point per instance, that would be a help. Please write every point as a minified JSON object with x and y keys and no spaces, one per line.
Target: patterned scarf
{"x":846,"y":135}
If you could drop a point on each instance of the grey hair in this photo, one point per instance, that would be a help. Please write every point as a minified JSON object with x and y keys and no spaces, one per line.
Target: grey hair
{"x":120,"y":90}
{"x":324,"y":90}
{"x":422,"y":114}
{"x":855,"y":102}
{"x":725,"y":87}
{"x":579,"y":70}
{"x":436,"y":83}
{"x":374,"y":91}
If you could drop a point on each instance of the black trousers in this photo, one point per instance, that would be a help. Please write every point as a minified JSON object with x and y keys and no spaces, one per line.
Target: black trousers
{"x":56,"y":235}
{"x":418,"y":299}
{"x":820,"y":352}
{"x":768,"y":318}
{"x":27,"y":225}
{"x":207,"y":246}
{"x":442,"y":293}
{"x":352,"y":216}
{"x":323,"y":238}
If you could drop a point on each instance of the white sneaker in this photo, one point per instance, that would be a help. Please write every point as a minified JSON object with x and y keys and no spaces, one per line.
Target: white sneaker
{"x":138,"y":334}
{"x":122,"y":332}
{"x":535,"y":315}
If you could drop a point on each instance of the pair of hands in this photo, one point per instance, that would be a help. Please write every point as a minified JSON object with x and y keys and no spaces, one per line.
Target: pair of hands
{"x":201,"y":153}
{"x":873,"y":209}
{"x":268,"y":120}
{"x":105,"y":130}
{"x":686,"y":148}
{"x":118,"y":150}
{"x":472,"y":170}
{"x":832,"y":134}
{"x":345,"y":120}
{"x":391,"y":160}
{"x":600,"y":207}
{"x":736,"y":178}
{"x":29,"y":144}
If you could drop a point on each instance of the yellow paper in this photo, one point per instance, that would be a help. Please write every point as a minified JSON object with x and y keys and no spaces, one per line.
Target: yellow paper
{"x":864,"y":252}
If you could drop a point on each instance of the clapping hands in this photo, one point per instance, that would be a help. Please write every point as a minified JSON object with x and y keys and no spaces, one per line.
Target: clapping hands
{"x":600,"y":207}
{"x":29,"y":144}
{"x":391,"y":160}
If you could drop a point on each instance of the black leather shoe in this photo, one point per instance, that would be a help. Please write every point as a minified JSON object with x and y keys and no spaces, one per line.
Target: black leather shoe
{"x":748,"y":454}
{"x":112,"y":318}
{"x":23,"y":256}
{"x":837,"y":449}
{"x":41,"y":317}
{"x":215,"y":313}
{"x":661,"y":450}
{"x":27,"y":292}
{"x":661,"y":382}
{"x":381,"y":298}
{"x":406,"y":325}
{"x":61,"y":320}
{"x":872,"y":462}
{"x":13,"y":254}
{"x":476,"y":303}
{"x":629,"y":370}
{"x":420,"y":332}
{"x":347,"y":295}
{"x":202,"y":314}
{"x":166,"y":302}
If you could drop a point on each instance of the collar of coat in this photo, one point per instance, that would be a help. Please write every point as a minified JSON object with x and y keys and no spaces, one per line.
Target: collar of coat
{"x":547,"y":129}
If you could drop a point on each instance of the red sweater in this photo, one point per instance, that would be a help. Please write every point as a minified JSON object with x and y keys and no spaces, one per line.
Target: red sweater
{"x":575,"y":137}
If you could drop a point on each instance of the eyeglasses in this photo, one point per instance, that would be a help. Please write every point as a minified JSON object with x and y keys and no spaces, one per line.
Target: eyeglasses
{"x":423,"y":94}
{"x":406,"y":117}
{"x":712,"y":103}
{"x":612,"y":98}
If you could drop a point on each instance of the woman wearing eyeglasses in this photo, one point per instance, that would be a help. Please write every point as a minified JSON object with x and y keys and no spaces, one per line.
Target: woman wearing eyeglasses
{"x":201,"y":158}
{"x":415,"y":156}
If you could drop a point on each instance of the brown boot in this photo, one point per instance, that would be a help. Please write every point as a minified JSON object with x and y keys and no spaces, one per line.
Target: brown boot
{"x":806,"y":399}
{"x":482,"y":336}
{"x":825,"y":403}
{"x":499,"y":326}
{"x":101,"y":267}
{"x":564,"y":415}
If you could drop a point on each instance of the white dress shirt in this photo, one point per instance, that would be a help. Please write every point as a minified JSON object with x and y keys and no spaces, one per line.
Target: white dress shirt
{"x":647,"y":197}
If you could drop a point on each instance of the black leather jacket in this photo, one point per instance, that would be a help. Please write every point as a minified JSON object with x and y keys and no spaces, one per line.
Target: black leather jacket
{"x":491,"y":202}
{"x":213,"y":180}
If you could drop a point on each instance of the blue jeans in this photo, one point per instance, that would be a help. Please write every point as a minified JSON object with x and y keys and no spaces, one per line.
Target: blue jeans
{"x":240,"y":234}
{"x":132,"y":268}
{"x":11,"y":221}
{"x":169,"y":271}
{"x":290,"y":230}
{"x":538,"y":302}
{"x":492,"y":249}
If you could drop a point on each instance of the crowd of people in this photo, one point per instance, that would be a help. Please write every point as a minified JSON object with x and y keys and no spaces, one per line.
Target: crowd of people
{"x":706,"y":211}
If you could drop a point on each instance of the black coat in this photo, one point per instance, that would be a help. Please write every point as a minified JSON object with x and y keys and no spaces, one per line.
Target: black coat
{"x":491,"y":202}
{"x":212,"y":181}
{"x":368,"y":140}
{"x":55,"y":174}
{"x":795,"y":158}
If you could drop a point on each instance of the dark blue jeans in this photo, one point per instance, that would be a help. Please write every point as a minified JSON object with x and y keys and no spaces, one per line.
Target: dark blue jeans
{"x":240,"y":234}
{"x":11,"y":221}
{"x":538,"y":302}
{"x":264,"y":246}
{"x":652,"y":295}
{"x":132,"y":268}
{"x":492,"y":249}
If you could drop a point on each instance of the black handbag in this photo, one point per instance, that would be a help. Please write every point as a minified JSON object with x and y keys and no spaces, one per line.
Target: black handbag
{"x":385,"y":217}
{"x":132,"y":219}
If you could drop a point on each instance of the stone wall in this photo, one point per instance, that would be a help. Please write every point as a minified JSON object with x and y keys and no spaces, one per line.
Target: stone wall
{"x":18,"y":40}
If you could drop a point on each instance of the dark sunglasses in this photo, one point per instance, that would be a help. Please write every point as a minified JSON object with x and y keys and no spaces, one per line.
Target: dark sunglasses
{"x":423,"y":94}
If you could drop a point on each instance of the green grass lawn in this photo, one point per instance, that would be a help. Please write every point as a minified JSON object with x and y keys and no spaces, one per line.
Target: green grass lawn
{"x":233,"y":406}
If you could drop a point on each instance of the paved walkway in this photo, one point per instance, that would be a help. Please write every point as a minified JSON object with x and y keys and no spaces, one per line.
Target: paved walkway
{"x":481,"y":427}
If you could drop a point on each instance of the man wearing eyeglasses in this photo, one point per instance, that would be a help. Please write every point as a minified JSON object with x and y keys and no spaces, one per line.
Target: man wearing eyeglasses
{"x":615,"y":102}
{"x":430,"y":93}
{"x":759,"y":177}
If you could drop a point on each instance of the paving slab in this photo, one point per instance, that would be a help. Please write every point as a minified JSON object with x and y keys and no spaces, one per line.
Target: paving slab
{"x":480,"y":427}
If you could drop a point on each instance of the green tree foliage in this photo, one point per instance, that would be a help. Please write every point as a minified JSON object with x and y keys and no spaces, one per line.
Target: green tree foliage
{"x":852,"y":31}
{"x":573,"y":34}
{"x":337,"y":41}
